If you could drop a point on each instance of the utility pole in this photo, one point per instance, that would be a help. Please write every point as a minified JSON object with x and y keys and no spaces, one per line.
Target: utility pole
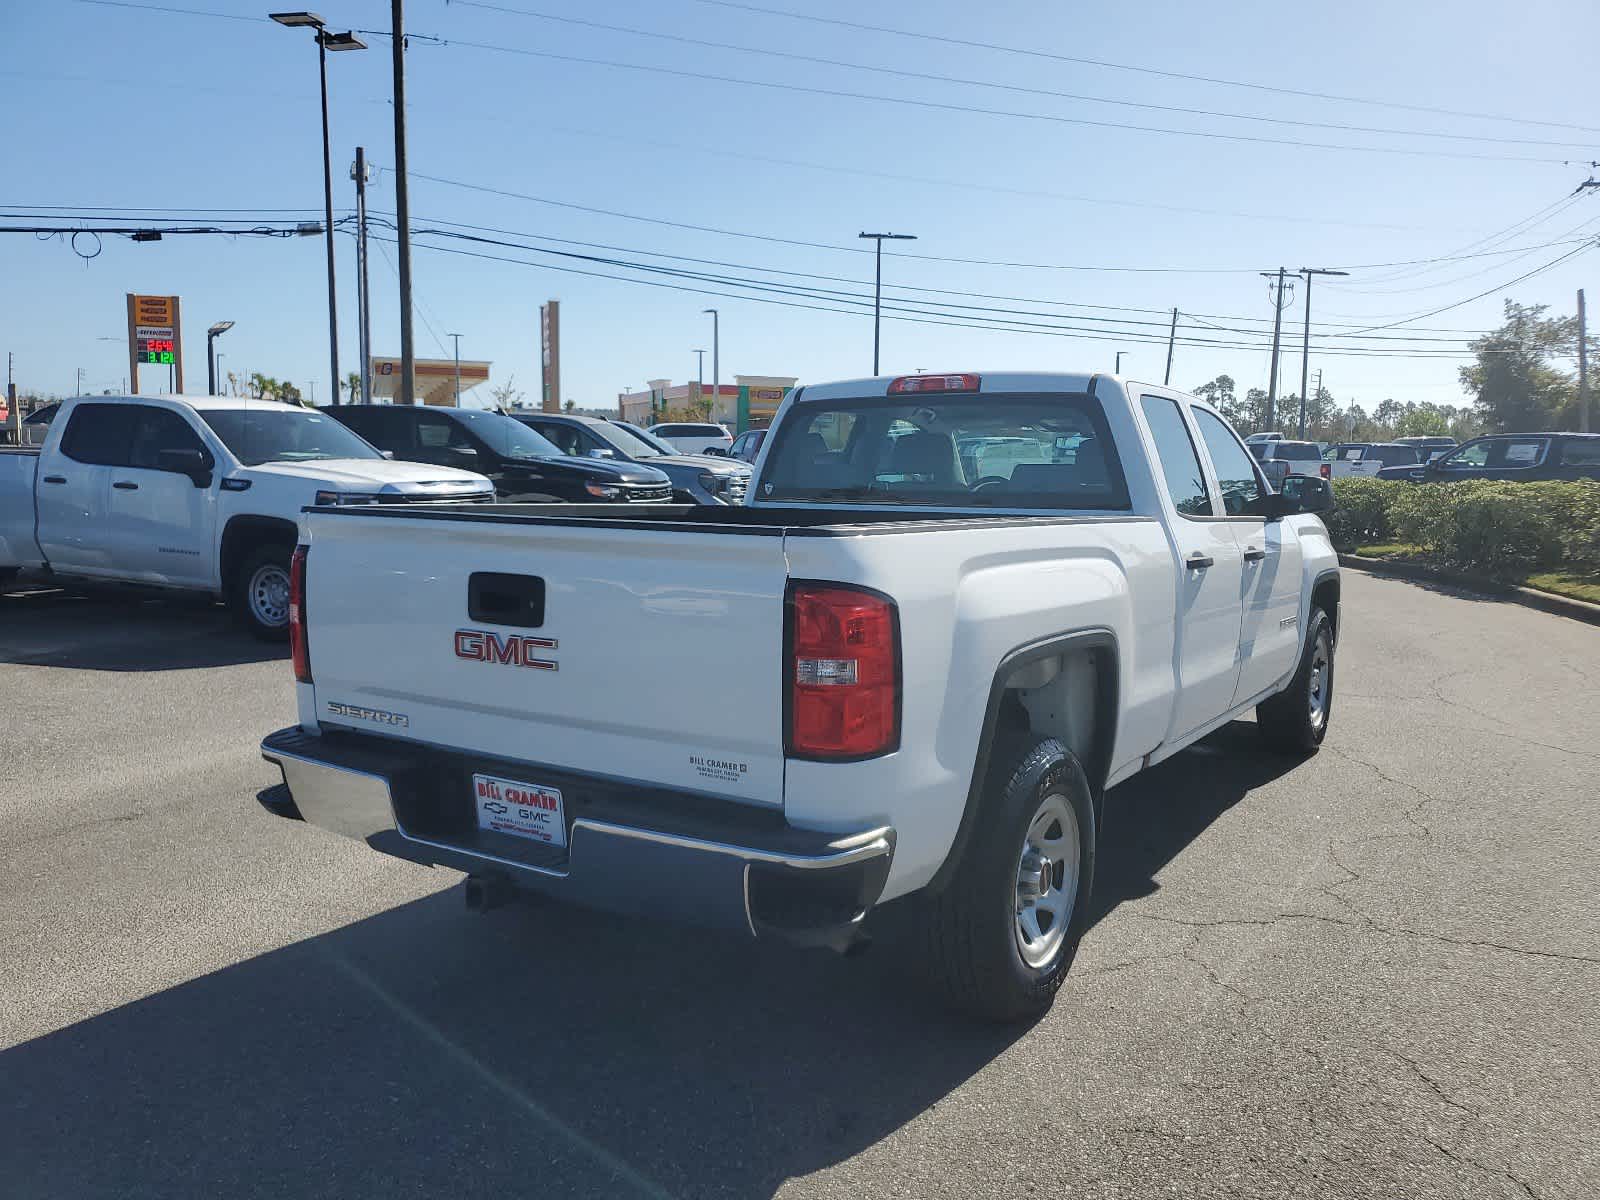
{"x":78,"y":387}
{"x":363,"y":294}
{"x":1172,"y":340}
{"x":1583,"y":366}
{"x":1277,"y":333}
{"x":877,"y":288}
{"x":1305,"y":345}
{"x":457,"y":338}
{"x":700,"y":375}
{"x":402,"y":205}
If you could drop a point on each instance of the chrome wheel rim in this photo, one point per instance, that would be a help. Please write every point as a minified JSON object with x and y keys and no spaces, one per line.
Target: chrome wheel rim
{"x":1320,"y":687}
{"x":268,"y":594}
{"x":1047,"y":881}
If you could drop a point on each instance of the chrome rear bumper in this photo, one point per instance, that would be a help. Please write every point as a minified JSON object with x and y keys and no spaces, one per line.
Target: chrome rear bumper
{"x":704,"y":862}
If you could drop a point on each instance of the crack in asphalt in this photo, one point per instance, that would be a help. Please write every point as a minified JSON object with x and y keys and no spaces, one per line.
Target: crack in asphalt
{"x":1438,"y":1088}
{"x":1501,"y":1172}
{"x":1410,"y":814}
{"x":1373,"y":925}
{"x":80,"y":827}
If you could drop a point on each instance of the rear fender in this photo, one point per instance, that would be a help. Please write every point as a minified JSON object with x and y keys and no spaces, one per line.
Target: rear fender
{"x":1036,"y":676}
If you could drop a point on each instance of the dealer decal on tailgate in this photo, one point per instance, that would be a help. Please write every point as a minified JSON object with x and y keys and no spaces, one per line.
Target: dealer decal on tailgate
{"x":525,"y":810}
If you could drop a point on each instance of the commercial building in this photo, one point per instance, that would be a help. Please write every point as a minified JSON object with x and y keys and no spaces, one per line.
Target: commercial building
{"x":749,"y":402}
{"x":435,"y":379}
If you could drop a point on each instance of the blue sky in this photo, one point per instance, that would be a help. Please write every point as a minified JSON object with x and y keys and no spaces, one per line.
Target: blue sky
{"x":130,"y":107}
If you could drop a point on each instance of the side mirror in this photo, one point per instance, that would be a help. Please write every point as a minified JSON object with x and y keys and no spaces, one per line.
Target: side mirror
{"x":715,"y":451}
{"x":389,"y":454}
{"x":196,"y":464}
{"x":1305,"y":494}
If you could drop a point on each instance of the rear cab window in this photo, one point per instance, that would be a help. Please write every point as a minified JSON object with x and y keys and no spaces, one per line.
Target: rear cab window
{"x":995,"y":450}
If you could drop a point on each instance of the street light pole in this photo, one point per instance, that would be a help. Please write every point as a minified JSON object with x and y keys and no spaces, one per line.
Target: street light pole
{"x":700,"y":375}
{"x":457,"y":338}
{"x":1305,"y":344}
{"x":363,"y":288}
{"x":325,"y":42}
{"x":716,"y":352}
{"x":212,"y":334}
{"x":877,"y":287}
{"x":402,"y":205}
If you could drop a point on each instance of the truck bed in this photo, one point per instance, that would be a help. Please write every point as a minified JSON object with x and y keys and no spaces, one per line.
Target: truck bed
{"x":768,"y":520}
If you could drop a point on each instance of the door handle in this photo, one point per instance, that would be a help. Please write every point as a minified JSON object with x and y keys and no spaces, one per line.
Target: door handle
{"x":1254,"y":554}
{"x":1198,"y":561}
{"x":55,"y":478}
{"x":124,"y":485}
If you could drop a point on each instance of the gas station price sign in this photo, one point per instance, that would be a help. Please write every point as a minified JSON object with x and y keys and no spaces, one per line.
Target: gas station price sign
{"x":157,"y":350}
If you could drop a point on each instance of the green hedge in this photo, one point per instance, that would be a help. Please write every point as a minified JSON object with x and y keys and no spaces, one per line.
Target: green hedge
{"x":1507,"y":530}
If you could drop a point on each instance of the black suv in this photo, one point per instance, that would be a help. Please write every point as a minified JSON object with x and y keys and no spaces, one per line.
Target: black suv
{"x":1528,"y":456}
{"x":696,"y":478}
{"x":525,"y":467}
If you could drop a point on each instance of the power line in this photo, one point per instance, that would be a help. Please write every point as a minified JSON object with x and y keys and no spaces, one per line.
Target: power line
{"x":928,"y":76}
{"x":892,"y":313}
{"x":847,"y":249}
{"x":914,"y":291}
{"x":941,"y":106}
{"x":416,"y":300}
{"x":831,"y":299}
{"x":1539,"y":270}
{"x":1141,"y":70}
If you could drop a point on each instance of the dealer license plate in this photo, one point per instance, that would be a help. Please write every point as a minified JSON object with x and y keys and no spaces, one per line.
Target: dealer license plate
{"x":525,"y":810}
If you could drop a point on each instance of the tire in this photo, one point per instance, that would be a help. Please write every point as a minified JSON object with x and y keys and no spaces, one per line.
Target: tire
{"x":1296,"y":720}
{"x":259,"y":592}
{"x":984,"y":952}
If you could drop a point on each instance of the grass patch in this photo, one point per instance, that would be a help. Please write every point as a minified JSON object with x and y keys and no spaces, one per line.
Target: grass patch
{"x":1390,"y":550}
{"x":1562,"y":583}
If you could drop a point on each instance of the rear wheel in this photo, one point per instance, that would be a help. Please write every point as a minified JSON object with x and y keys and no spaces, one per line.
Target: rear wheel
{"x":1296,"y":719}
{"x":259,"y":596}
{"x":1002,"y":934}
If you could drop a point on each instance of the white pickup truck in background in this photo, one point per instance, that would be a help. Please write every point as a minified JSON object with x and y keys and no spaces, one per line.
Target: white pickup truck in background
{"x":954,"y":611}
{"x":198,"y":494}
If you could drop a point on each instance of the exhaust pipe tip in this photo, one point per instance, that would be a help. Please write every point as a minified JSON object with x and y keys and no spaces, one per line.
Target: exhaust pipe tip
{"x":484,"y":892}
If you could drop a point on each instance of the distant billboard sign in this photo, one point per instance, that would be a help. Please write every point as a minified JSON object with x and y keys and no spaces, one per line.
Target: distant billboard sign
{"x":550,"y":356}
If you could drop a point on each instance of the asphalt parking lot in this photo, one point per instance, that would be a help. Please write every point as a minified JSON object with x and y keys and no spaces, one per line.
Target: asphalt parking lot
{"x":1371,"y":974}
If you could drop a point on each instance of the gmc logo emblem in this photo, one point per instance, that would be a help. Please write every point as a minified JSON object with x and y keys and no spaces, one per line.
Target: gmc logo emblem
{"x":512,"y":649}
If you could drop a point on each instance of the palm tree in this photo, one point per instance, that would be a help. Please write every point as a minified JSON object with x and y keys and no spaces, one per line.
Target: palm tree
{"x":352,"y":384}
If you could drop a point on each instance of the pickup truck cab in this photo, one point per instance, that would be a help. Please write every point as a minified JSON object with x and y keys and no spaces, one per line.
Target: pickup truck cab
{"x":963,"y":607}
{"x":195,"y":494}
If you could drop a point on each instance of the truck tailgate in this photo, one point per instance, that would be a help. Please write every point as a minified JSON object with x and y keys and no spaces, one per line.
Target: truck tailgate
{"x":657,"y":656}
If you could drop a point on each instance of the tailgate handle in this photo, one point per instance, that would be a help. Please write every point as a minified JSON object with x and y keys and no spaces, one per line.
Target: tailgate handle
{"x":499,"y":599}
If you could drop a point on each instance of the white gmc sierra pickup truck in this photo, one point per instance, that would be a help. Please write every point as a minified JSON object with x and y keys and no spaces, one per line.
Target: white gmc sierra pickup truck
{"x":190,"y":493}
{"x":953,"y":612}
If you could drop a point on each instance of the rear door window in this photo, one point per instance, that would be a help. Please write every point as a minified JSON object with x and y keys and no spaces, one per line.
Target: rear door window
{"x":1584,"y":452}
{"x":1180,"y":463}
{"x":100,"y":434}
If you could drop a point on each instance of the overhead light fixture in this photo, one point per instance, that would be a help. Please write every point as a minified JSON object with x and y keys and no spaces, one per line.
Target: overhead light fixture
{"x":342,"y":41}
{"x":297,"y":19}
{"x":219,"y":328}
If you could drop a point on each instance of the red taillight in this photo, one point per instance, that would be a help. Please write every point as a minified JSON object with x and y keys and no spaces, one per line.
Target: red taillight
{"x":844,"y":672}
{"x":1325,"y":471}
{"x":918,"y":384}
{"x":299,"y":647}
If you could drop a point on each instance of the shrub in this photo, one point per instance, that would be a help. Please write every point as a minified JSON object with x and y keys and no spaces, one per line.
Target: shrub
{"x":1362,"y":518}
{"x":1503,"y":529}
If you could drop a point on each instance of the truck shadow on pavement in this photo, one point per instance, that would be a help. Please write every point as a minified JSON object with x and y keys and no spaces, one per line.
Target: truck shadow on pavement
{"x":534,"y":1050}
{"x":114,"y":631}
